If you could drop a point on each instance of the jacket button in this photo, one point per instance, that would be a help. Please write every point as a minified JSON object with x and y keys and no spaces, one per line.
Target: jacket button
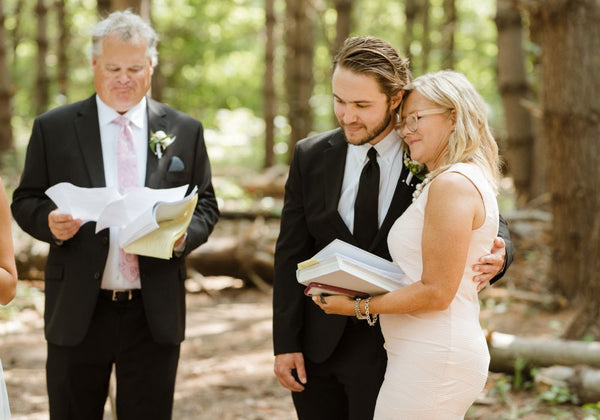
{"x":97,"y":275}
{"x":105,"y":240}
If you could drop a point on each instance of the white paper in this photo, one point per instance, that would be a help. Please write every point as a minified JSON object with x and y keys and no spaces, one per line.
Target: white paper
{"x":127,"y":208}
{"x":147,"y":221}
{"x":359,"y":256}
{"x":81,"y":203}
{"x":345,"y":265}
{"x":106,"y":206}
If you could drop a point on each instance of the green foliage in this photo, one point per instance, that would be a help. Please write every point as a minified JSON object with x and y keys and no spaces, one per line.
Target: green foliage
{"x":211,"y":55}
{"x":592,"y":410}
{"x":559,"y":395}
{"x":502,"y":389}
{"x":520,"y":365}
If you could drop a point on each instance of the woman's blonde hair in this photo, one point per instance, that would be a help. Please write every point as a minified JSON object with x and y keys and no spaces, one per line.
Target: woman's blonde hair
{"x":471,"y":140}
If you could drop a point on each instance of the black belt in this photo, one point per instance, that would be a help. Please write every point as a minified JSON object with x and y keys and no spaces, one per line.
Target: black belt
{"x":120,"y":295}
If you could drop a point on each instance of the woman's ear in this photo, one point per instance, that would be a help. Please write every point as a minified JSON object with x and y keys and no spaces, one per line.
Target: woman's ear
{"x":453,"y":117}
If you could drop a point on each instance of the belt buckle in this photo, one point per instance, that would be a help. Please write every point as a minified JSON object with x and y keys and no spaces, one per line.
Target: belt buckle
{"x":129,"y":294}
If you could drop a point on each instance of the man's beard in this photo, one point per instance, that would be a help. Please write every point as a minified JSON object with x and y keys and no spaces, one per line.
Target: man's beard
{"x":372,"y":134}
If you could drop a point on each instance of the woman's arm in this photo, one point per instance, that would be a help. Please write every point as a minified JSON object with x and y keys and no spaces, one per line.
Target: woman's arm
{"x":454,"y":208}
{"x":8,"y":268}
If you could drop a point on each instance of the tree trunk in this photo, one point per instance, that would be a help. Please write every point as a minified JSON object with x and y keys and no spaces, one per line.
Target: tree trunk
{"x":447,"y":45}
{"x":105,"y":7}
{"x":343,"y":24}
{"x":343,"y":27}
{"x":426,"y":53}
{"x":15,"y":33}
{"x":6,"y":91}
{"x":512,"y":82}
{"x":144,"y":8}
{"x":410,"y":10}
{"x":270,"y":98}
{"x":569,"y":35}
{"x":299,"y":39}
{"x":42,"y":86}
{"x":63,"y":44}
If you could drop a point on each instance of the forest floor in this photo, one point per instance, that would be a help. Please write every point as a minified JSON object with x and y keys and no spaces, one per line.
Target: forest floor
{"x":226,"y":365}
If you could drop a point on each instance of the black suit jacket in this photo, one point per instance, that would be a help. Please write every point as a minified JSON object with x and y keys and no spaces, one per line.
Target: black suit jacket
{"x":65,"y":147}
{"x":310,"y":221}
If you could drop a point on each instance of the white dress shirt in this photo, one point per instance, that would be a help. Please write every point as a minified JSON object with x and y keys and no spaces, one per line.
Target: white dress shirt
{"x":109,"y":134}
{"x":390,"y":159}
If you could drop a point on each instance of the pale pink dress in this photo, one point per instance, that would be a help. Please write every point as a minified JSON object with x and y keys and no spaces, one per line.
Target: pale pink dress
{"x":437,"y":361}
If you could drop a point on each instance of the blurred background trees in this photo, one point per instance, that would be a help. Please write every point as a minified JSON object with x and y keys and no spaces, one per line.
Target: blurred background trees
{"x":257,"y":74}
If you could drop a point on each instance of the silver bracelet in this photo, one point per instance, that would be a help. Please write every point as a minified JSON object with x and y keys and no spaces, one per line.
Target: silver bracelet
{"x":359,"y":315}
{"x":371,"y":319}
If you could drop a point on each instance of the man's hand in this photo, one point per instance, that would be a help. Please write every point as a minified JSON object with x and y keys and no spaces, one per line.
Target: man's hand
{"x":63,"y":226}
{"x":284,"y":364}
{"x":490,"y":265}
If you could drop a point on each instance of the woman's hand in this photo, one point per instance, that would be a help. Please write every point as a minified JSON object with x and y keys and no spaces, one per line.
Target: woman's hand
{"x":338,"y":304}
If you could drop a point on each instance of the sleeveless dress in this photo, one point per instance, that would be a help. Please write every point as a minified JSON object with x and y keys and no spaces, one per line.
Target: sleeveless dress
{"x":437,"y":361}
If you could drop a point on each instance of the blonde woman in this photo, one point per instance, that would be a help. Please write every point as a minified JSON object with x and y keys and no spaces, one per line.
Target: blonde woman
{"x":437,"y":354}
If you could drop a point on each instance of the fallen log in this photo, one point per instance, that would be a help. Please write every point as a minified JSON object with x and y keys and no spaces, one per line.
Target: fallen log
{"x":581,"y":380}
{"x":247,"y":256}
{"x":508,"y":350}
{"x":544,"y":300}
{"x":245,"y":251}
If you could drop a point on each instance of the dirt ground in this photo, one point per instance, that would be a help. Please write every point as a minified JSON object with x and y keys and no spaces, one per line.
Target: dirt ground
{"x":226,"y":368}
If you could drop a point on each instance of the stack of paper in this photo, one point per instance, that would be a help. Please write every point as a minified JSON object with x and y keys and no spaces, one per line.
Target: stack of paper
{"x":155,"y":233}
{"x":149,"y":220}
{"x":344,"y":265}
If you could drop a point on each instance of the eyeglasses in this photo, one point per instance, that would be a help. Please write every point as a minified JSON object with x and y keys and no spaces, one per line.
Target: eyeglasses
{"x":412,"y":121}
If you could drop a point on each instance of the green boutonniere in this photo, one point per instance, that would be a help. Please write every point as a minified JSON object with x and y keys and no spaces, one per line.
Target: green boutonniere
{"x":418,"y":169}
{"x":159,"y":141}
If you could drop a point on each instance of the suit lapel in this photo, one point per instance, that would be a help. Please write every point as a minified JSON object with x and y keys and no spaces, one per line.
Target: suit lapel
{"x":335,"y":162}
{"x":156,"y":121}
{"x":88,"y":137}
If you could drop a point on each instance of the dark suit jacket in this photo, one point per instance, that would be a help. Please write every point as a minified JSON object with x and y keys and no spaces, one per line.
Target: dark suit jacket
{"x":65,"y":147}
{"x":310,"y":221}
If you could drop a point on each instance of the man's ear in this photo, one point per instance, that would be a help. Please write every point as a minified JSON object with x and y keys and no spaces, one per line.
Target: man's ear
{"x":397,"y":99}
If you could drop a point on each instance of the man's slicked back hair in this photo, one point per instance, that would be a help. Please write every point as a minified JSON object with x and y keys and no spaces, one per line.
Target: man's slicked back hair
{"x":372,"y":56}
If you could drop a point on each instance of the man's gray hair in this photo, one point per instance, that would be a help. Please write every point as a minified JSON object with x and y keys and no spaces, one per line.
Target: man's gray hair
{"x":130,"y":28}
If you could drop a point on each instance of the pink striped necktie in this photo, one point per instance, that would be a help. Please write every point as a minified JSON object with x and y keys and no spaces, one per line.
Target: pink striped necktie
{"x":128,"y":178}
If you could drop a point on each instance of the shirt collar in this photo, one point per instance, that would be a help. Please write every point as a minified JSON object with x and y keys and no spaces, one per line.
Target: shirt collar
{"x":135,"y":114}
{"x":387,"y":148}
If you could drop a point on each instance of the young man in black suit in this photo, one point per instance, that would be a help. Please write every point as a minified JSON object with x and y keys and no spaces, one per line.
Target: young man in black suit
{"x":334,"y":365}
{"x":105,"y":307}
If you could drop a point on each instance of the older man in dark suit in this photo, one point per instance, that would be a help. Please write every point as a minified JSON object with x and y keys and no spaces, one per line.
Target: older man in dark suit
{"x":334,"y":365}
{"x":105,"y":307}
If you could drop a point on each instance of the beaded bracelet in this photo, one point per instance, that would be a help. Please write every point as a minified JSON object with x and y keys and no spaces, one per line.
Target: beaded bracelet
{"x":359,"y":315}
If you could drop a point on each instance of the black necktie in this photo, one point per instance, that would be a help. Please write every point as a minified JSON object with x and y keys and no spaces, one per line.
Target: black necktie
{"x":367,"y":202}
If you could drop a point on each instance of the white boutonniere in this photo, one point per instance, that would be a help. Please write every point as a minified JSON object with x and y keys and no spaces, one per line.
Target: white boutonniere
{"x":417,"y":169}
{"x":159,"y":141}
